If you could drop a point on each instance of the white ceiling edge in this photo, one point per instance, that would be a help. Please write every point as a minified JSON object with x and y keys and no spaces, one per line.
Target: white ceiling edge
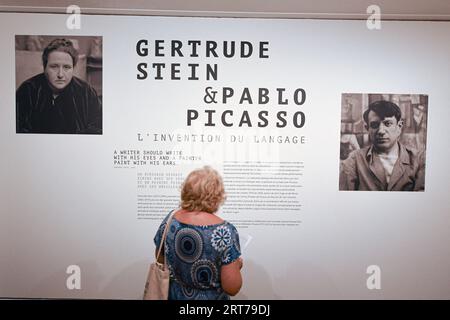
{"x":353,"y":14}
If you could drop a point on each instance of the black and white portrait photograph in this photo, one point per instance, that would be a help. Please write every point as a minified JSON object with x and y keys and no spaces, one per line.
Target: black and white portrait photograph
{"x":58,"y":84}
{"x":383,"y":142}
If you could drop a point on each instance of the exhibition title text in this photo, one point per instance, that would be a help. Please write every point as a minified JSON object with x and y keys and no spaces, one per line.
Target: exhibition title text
{"x":203,"y":65}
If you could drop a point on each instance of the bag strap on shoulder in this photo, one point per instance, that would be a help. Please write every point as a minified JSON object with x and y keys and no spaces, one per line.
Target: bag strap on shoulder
{"x":163,"y":238}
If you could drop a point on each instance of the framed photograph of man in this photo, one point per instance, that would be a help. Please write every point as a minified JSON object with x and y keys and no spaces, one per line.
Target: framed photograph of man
{"x":58,"y":84}
{"x":383,"y":142}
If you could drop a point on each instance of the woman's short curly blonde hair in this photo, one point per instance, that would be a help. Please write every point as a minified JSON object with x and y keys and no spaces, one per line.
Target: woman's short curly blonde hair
{"x":202,"y":190}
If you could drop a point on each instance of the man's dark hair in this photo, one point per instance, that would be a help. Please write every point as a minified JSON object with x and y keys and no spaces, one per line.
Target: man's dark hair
{"x":61,"y":45}
{"x":383,"y":109}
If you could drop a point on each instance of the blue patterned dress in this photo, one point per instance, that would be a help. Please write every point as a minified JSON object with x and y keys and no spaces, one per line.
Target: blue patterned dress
{"x":194,"y":255}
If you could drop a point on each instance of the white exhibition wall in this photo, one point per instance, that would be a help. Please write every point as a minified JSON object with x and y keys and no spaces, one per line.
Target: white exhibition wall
{"x":65,"y":201}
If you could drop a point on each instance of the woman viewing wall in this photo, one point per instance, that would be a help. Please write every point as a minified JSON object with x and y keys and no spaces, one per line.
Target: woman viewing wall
{"x":202,"y":250}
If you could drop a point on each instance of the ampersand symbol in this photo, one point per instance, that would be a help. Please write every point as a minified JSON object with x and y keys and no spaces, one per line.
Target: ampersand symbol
{"x":210,"y":96}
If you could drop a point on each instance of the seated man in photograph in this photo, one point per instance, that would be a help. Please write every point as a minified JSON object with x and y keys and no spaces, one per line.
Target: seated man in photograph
{"x":385,"y":165}
{"x":56,"y":101}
